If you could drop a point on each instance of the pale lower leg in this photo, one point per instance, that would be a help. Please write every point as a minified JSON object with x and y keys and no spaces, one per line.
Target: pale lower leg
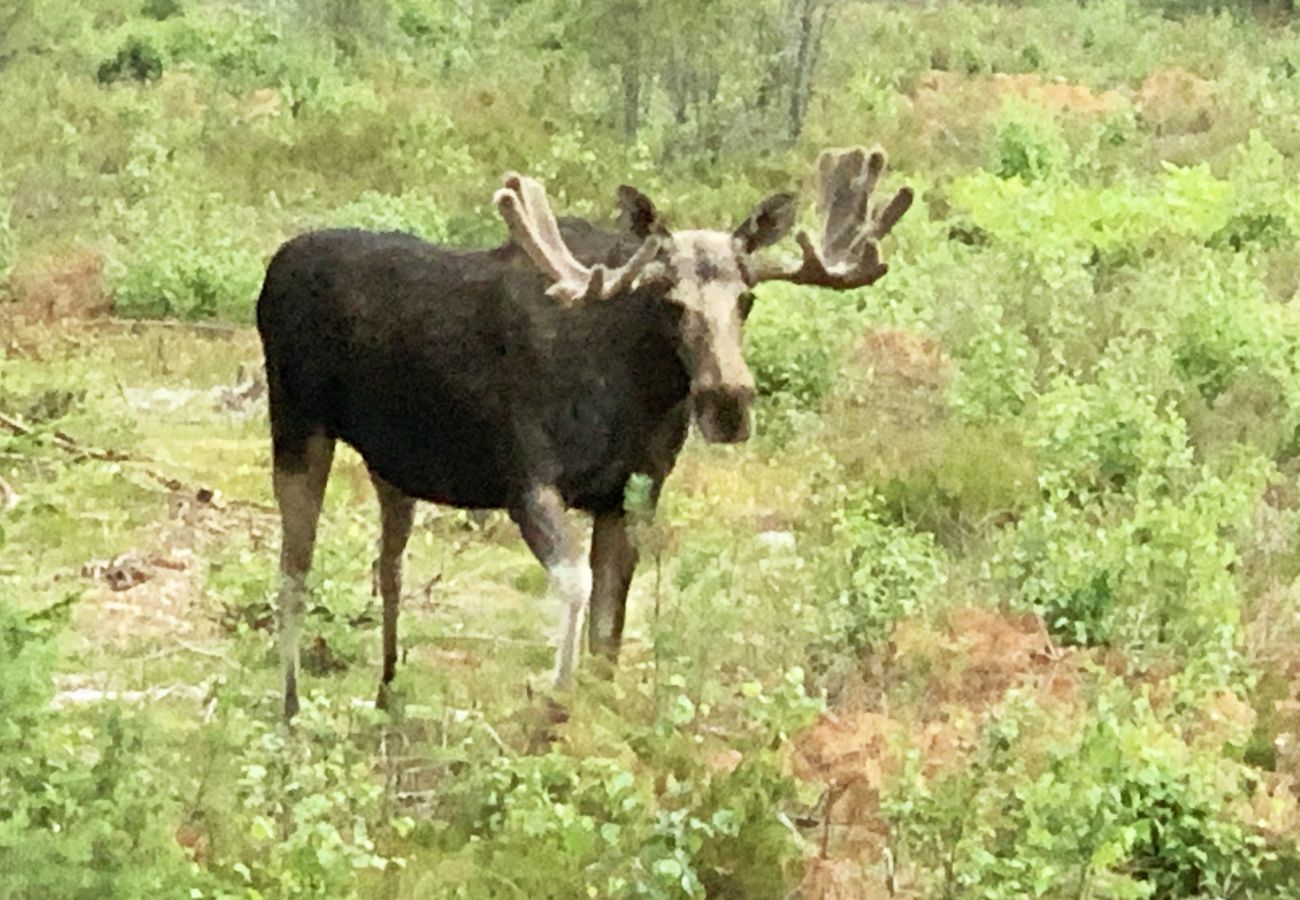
{"x":540,"y":516}
{"x":571,"y":580}
{"x":299,"y":494}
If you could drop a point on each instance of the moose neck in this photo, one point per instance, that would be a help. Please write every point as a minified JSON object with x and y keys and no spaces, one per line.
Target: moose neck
{"x":629,"y":342}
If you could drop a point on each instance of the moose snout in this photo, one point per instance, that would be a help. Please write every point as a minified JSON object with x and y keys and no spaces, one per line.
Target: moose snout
{"x":722,"y":413}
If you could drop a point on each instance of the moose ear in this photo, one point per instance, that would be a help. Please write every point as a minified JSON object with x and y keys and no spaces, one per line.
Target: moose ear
{"x":767,"y":224}
{"x":637,"y":214}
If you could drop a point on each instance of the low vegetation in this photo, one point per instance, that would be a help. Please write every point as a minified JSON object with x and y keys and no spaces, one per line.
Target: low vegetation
{"x":1001,"y":601}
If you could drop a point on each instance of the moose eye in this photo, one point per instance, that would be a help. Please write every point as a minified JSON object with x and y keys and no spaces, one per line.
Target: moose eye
{"x":746,"y":304}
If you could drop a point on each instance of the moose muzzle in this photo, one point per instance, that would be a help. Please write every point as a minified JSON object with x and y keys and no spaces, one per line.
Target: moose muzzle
{"x":722,"y":413}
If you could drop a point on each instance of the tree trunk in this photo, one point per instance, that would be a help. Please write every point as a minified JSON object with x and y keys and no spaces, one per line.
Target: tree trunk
{"x":810,"y":28}
{"x":798,"y":101}
{"x":631,"y":99}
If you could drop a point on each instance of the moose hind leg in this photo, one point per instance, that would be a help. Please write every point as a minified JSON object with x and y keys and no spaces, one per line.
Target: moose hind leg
{"x":540,"y":516}
{"x":613,"y":560}
{"x":299,"y":480}
{"x":397,"y":514}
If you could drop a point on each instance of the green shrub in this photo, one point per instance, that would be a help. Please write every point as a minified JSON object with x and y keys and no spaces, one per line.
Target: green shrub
{"x":1028,"y":145}
{"x":1266,"y":214}
{"x":412,"y":212}
{"x":81,"y":812}
{"x":160,"y":10}
{"x":995,"y":380}
{"x":635,"y":808}
{"x":792,"y":343}
{"x":1109,"y":803}
{"x":195,"y":266}
{"x":137,"y":60}
{"x":887,"y":573}
{"x":311,"y":811}
{"x":1132,"y":542}
{"x":1064,"y":220}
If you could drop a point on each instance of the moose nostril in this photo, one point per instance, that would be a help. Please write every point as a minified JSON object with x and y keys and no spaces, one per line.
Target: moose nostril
{"x":731,"y":408}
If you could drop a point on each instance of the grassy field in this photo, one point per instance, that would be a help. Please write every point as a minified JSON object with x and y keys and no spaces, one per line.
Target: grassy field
{"x":1000,"y":602}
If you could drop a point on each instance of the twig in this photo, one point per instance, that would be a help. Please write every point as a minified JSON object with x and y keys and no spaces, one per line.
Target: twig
{"x":202,"y":651}
{"x":491,"y":639}
{"x":8,"y":496}
{"x":496,"y":738}
{"x":214,"y":327}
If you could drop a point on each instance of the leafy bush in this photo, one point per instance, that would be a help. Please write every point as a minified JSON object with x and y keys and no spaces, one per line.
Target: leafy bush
{"x":1063,"y":219}
{"x":310,"y":808}
{"x":190,"y":266}
{"x":1132,"y":542}
{"x":996,"y":377}
{"x":412,"y":212}
{"x":889,"y":573}
{"x":1105,"y":801}
{"x":1028,"y":145}
{"x":792,"y":342}
{"x":138,"y":60}
{"x":160,"y":10}
{"x":80,"y":810}
{"x":599,"y":817}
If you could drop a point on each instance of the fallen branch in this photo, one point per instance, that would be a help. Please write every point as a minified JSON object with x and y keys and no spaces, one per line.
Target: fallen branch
{"x":68,"y":444}
{"x":487,"y":639}
{"x":212,"y":327}
{"x":178,"y":646}
{"x":83,"y":696}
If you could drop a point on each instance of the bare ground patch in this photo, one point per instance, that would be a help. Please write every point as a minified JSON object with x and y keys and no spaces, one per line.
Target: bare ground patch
{"x":960,"y":671}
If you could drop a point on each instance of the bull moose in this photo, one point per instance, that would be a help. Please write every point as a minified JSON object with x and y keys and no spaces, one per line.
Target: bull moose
{"x":535,"y":376}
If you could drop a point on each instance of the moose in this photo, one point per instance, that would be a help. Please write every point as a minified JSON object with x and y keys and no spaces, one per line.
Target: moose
{"x":535,"y":377}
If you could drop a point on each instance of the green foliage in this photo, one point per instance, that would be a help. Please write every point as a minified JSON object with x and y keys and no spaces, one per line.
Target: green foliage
{"x":996,"y":379}
{"x":793,"y":341}
{"x":80,"y":812}
{"x":891,"y":573}
{"x":411,"y":212}
{"x":638,"y":810}
{"x":161,"y":10}
{"x":1064,"y":218}
{"x":190,"y":266}
{"x":1113,"y":803}
{"x":1132,"y":542}
{"x":138,"y":60}
{"x":1028,"y":145}
{"x":309,"y":805}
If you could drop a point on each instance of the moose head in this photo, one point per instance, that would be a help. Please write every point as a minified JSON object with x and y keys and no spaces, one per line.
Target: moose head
{"x":706,"y":278}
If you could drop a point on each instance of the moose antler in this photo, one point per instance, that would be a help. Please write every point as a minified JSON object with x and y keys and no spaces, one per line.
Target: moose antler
{"x":849,"y":255}
{"x":527,"y":212}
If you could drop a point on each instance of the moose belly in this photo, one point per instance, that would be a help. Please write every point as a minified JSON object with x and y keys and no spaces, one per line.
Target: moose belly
{"x":434,"y":453}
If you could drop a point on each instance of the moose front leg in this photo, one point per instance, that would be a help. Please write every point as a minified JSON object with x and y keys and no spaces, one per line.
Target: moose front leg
{"x":540,"y":517}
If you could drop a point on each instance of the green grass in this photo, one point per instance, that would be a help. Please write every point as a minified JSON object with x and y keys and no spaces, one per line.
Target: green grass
{"x":1022,"y":517}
